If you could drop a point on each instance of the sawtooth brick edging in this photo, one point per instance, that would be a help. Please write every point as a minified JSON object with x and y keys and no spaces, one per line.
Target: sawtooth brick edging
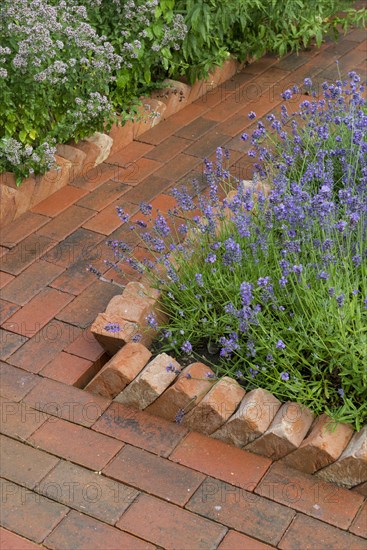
{"x":77,"y":159}
{"x":256,"y":421}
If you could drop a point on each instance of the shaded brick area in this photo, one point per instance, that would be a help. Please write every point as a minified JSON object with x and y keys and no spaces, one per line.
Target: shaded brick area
{"x":80,"y":472}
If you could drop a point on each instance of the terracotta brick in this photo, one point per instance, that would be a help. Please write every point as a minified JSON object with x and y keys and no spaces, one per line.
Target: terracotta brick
{"x":140,"y":429}
{"x":67,"y":402}
{"x":361,"y":489}
{"x":73,"y":155}
{"x":15,"y":383}
{"x":359,"y":525}
{"x":309,"y":495}
{"x":29,"y":283}
{"x":91,"y":493}
{"x":316,"y":534}
{"x":146,"y":190}
{"x":59,"y":201}
{"x":10,"y":342}
{"x":22,"y":464}
{"x":149,"y":114}
{"x":103,"y":196}
{"x":91,"y":151}
{"x":130,"y":153}
{"x":234,"y":540}
{"x":38,"y":312}
{"x":160,"y":132}
{"x":179,"y":166}
{"x":20,"y":228}
{"x":107,"y":220}
{"x":52,"y":181}
{"x":40,"y":350}
{"x":122,"y":135}
{"x":10,"y":541}
{"x":65,"y":223}
{"x":216,"y":407}
{"x":323,"y":445}
{"x":82,"y":532}
{"x":141,"y":169}
{"x":18,"y":420}
{"x":85,"y":346}
{"x":84,"y":308}
{"x":150,"y":383}
{"x":31,"y":249}
{"x":196,"y":129}
{"x":91,"y":178}
{"x":351,"y":467}
{"x":27,"y":513}
{"x":286,"y":432}
{"x":7,"y":309}
{"x":190,"y":113}
{"x":241,"y":510}
{"x":72,"y":370}
{"x":185,"y":393}
{"x":76,"y":278}
{"x":75,"y":443}
{"x":219,"y":460}
{"x":5,"y":278}
{"x":168,"y":149}
{"x":80,"y":245}
{"x":154,"y":475}
{"x":120,"y":370}
{"x":171,"y":527}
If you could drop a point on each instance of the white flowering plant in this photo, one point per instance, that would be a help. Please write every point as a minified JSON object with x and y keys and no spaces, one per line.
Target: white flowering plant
{"x":55,"y":72}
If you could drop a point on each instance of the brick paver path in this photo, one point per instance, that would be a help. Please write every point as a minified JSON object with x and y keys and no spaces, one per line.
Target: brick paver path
{"x":82,"y":473}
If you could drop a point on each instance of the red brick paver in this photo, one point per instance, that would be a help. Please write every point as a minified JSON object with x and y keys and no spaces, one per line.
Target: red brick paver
{"x":82,"y":473}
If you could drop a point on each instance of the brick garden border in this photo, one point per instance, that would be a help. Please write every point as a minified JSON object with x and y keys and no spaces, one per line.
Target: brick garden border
{"x":256,"y":421}
{"x":77,"y":159}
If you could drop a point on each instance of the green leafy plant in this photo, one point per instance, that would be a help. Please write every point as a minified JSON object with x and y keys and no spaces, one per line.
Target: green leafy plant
{"x":54,"y":82}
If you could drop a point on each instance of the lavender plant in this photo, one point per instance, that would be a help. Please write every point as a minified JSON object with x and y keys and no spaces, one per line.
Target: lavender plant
{"x":54,"y":81}
{"x":275,"y":286}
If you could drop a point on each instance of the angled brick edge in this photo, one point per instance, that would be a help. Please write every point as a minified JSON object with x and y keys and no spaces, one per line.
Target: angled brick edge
{"x":255,"y":421}
{"x":75,"y":159}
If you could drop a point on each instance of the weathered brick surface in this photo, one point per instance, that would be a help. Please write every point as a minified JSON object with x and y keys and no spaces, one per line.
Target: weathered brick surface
{"x":38,"y":312}
{"x":19,"y":420}
{"x":169,"y":526}
{"x":7,"y":309}
{"x":286,"y":432}
{"x":10,"y":541}
{"x":87,"y":492}
{"x":189,"y":389}
{"x":219,"y":460}
{"x":20,"y":228}
{"x":67,"y":402}
{"x":37,"y":352}
{"x":29,"y":283}
{"x":27,"y":513}
{"x":150,"y":383}
{"x":15,"y":383}
{"x":75,"y":443}
{"x":351,"y":468}
{"x":309,"y":495}
{"x":359,"y":525}
{"x":120,"y":370}
{"x":252,"y":419}
{"x":22,"y":464}
{"x":86,"y":346}
{"x":154,"y":475}
{"x":82,"y":532}
{"x":216,"y":407}
{"x":316,"y":534}
{"x":80,"y":245}
{"x":59,"y":201}
{"x":84,"y":308}
{"x":324,"y":444}
{"x":29,"y":250}
{"x":10,"y":342}
{"x":241,"y":510}
{"x":65,"y":223}
{"x":140,"y":429}
{"x":72,"y":370}
{"x":234,"y":540}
